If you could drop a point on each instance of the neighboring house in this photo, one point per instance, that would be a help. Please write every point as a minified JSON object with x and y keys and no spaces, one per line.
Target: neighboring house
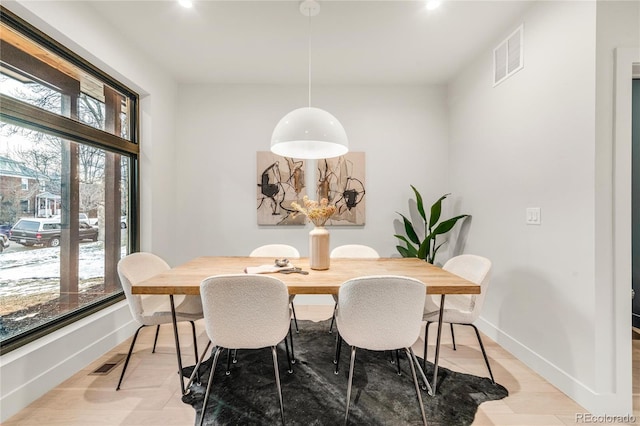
{"x":19,"y":189}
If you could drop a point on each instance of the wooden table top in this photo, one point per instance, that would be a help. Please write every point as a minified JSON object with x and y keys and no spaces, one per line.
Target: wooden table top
{"x":186,"y":278}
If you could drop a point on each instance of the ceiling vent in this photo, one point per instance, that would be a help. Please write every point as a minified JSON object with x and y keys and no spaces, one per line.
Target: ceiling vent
{"x":508,"y":57}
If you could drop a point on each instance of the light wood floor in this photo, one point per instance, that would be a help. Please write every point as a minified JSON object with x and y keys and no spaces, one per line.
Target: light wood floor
{"x":150,"y":393}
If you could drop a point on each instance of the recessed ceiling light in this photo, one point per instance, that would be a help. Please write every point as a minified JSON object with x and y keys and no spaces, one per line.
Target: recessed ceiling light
{"x":186,"y":3}
{"x":433,"y":4}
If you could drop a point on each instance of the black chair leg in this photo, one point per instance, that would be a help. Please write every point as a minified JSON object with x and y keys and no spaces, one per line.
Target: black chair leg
{"x":338,"y":347}
{"x":155,"y":340}
{"x":126,"y":361}
{"x":295,"y":319}
{"x":333,"y":318}
{"x":426,"y":344}
{"x":195,"y":342}
{"x":229,"y":359}
{"x":286,"y":346}
{"x":453,"y":337}
{"x":397,"y":351}
{"x":484,"y":354}
{"x":293,"y":355}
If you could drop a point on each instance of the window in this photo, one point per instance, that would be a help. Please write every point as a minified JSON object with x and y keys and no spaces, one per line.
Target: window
{"x":68,"y":162}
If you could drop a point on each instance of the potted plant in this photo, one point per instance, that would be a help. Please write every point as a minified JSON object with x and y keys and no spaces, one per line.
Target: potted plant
{"x":427,"y":247}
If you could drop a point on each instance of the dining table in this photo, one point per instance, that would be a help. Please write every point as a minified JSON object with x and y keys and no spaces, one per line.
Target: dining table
{"x":185,"y":279}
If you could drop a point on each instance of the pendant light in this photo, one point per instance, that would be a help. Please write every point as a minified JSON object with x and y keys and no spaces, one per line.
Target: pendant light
{"x":307,"y":132}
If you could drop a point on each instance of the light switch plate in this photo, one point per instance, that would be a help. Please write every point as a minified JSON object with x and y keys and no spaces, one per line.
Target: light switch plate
{"x":533,"y":216}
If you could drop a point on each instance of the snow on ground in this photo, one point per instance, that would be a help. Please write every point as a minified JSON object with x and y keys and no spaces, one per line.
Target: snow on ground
{"x":38,"y":271}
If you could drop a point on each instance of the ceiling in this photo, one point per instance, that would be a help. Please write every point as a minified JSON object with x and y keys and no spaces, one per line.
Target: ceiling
{"x":352,"y":42}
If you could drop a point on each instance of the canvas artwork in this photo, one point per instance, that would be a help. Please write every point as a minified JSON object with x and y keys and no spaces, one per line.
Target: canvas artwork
{"x":341,"y":181}
{"x":280,"y":182}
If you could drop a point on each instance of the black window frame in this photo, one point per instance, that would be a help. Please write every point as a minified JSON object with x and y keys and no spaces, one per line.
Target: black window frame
{"x":22,"y":114}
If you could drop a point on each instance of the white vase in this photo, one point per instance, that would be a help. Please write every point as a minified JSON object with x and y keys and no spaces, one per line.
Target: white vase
{"x":319,"y":248}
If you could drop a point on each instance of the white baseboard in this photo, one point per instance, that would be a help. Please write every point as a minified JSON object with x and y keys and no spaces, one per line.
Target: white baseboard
{"x":30,"y":371}
{"x":596,"y":403}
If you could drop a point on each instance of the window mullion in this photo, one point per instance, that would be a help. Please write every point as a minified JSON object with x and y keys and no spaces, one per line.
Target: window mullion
{"x":23,"y":114}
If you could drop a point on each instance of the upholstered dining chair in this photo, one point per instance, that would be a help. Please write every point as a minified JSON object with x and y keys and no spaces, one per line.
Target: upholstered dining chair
{"x":279,"y":251}
{"x":350,"y":251}
{"x":461,"y":309}
{"x":381,"y":313}
{"x":245,"y":311}
{"x":136,"y":268}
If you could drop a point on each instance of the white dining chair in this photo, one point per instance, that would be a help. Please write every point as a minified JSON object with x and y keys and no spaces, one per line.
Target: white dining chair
{"x":461,"y":309}
{"x":245,"y":311}
{"x":136,"y":268}
{"x":381,"y":313}
{"x":350,"y":251}
{"x":279,"y":251}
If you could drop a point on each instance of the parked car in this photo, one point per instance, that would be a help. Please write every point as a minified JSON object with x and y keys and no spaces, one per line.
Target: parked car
{"x":5,"y":228}
{"x":82,"y":217}
{"x":4,"y":242}
{"x":123,"y":222}
{"x":32,"y":231}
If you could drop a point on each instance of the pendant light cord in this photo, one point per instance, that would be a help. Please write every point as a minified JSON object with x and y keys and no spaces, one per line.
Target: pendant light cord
{"x":309,"y":58}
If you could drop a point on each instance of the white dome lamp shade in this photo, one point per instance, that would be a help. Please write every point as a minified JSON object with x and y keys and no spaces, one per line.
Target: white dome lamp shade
{"x":309,"y":133}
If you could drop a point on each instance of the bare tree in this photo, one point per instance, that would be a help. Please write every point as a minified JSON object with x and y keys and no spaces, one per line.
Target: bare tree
{"x":44,"y":155}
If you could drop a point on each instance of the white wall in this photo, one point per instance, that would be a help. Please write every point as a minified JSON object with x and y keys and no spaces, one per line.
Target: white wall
{"x":32,"y":370}
{"x":401,"y":129}
{"x":531,"y":142}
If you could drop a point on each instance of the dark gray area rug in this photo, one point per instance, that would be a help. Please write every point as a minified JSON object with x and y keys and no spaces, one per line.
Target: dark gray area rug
{"x":314,"y":395}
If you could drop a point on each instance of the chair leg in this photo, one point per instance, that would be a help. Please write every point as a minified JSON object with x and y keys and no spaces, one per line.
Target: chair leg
{"x":195,"y":342}
{"x":293,"y":355}
{"x":415,"y":382}
{"x":228,"y":372}
{"x":353,"y":360}
{"x":333,"y":318}
{"x":195,"y":374}
{"x":234,"y":358}
{"x":295,"y":319}
{"x":126,"y":361}
{"x":484,"y":354}
{"x":398,"y":362}
{"x":453,"y":337}
{"x":338,"y":347}
{"x":426,"y":386}
{"x":206,"y":395}
{"x":286,"y":346}
{"x":275,"y":368}
{"x":426,"y":344}
{"x":155,"y":340}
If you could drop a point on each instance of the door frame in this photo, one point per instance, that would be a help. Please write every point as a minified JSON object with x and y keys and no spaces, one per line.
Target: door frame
{"x":635,"y":164}
{"x":625,"y":61}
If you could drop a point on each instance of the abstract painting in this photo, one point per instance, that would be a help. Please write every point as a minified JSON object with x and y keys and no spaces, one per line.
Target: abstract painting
{"x":280,"y":182}
{"x":341,"y":181}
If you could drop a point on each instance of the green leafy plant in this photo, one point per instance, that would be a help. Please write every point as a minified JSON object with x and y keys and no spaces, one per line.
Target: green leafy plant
{"x":427,"y":248}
